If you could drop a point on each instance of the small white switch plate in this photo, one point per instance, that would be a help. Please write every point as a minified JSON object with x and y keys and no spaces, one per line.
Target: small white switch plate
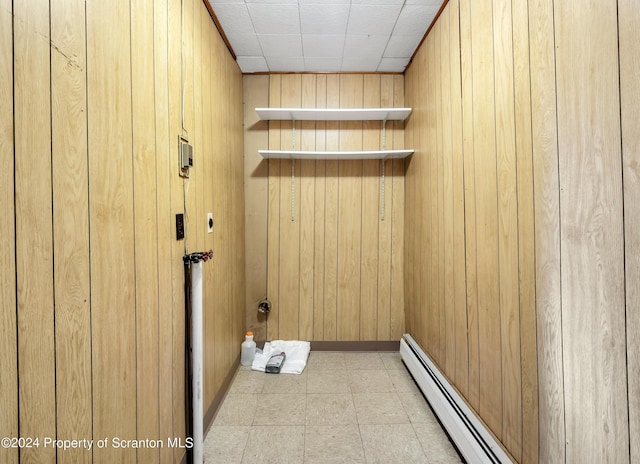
{"x":209,"y":223}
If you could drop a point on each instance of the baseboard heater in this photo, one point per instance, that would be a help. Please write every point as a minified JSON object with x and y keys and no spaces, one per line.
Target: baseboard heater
{"x":474,"y":442}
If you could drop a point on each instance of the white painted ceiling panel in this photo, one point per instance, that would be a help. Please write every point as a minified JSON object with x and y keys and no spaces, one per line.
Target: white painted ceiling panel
{"x":372,"y":19}
{"x":324,"y":19}
{"x":323,"y":46}
{"x":324,"y":35}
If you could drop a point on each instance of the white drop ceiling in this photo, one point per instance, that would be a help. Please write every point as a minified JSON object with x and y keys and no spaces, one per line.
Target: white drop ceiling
{"x":324,"y":35}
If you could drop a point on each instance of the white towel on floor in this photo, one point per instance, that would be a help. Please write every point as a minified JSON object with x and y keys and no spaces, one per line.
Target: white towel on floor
{"x":297,"y":353}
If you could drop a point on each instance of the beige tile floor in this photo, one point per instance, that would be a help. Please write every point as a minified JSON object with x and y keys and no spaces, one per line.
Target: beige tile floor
{"x":344,"y":408}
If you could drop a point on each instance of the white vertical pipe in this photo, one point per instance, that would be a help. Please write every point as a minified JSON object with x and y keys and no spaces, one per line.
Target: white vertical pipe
{"x":196,"y":362}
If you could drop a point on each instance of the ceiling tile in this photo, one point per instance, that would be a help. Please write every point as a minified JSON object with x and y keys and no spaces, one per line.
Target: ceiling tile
{"x":402,"y":46}
{"x":280,"y":44}
{"x":246,"y":44}
{"x":393,"y":64}
{"x":324,"y":19}
{"x":359,"y":64}
{"x":250,"y":64}
{"x":377,"y":2}
{"x":365,"y":46}
{"x":324,"y":2}
{"x":367,"y":19}
{"x":438,"y":3}
{"x":275,"y":18}
{"x":285,"y":63}
{"x":234,"y":18}
{"x":280,"y":2}
{"x":217,"y":2}
{"x":415,"y":19}
{"x":323,"y":46}
{"x":319,"y":64}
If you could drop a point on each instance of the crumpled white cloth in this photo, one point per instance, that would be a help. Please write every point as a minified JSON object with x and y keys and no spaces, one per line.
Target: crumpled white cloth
{"x":297,"y":353}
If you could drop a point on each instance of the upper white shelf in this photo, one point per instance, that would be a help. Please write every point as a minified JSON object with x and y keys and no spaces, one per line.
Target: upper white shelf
{"x":334,"y":155}
{"x":334,"y":114}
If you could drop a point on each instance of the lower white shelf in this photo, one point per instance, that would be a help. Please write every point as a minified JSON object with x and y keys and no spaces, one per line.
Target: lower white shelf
{"x":334,"y":155}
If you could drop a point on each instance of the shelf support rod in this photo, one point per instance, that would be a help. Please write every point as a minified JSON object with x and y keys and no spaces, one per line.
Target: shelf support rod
{"x":384,"y":147}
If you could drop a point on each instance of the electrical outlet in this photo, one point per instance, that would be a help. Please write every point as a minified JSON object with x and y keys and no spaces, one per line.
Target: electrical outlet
{"x":179,"y":226}
{"x":209,"y":223}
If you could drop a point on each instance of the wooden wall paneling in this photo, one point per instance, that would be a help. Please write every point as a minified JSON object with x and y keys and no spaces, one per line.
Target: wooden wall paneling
{"x":307,"y":213}
{"x":197,"y":126}
{"x":408,"y":165}
{"x":448,"y":306}
{"x":192,"y":220}
{"x":146,"y":228}
{"x":238,"y":206}
{"x":430,"y":320}
{"x":33,"y":227}
{"x":8,"y":332}
{"x":628,"y":20}
{"x":466,"y":70}
{"x":111,"y":220}
{"x":369,"y":267}
{"x":219,"y":271}
{"x":507,"y":229}
{"x":592,"y":252}
{"x":486,"y":215}
{"x":349,"y":216}
{"x":547,"y":232}
{"x":273,"y":257}
{"x":319,"y":215}
{"x":384,"y":227}
{"x":211,"y":364}
{"x":440,"y":278}
{"x":165,"y":224}
{"x":397,"y":316}
{"x":290,"y":214}
{"x":256,"y":95}
{"x":178,"y":247}
{"x":526,"y":238}
{"x":71,"y":226}
{"x":461,"y":362}
{"x":331,"y":215}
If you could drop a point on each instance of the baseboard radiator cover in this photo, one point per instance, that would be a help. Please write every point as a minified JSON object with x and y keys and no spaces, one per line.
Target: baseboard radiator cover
{"x":474,"y":442}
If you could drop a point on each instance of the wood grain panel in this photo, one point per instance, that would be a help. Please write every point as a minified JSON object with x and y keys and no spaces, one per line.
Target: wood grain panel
{"x":178,"y":247}
{"x":331,"y":215}
{"x":628,"y":20}
{"x":307,"y":213}
{"x":111,"y":219}
{"x":507,"y":229}
{"x":71,"y":221}
{"x":33,"y":226}
{"x":484,"y":137}
{"x":461,"y":354}
{"x":289,"y":289}
{"x":592,"y":251}
{"x":384,"y":226}
{"x":273,"y":234}
{"x":146,"y":227}
{"x":349,"y":214}
{"x":547,"y":231}
{"x":526,"y":238}
{"x":397,"y":316}
{"x":448,"y":303}
{"x":370,"y":215}
{"x":319,"y":216}
{"x":8,"y":333}
{"x":466,"y":70}
{"x":164,"y":224}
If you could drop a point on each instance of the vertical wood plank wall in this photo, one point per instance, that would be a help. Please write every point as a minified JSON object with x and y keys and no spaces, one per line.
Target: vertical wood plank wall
{"x":333,"y":266}
{"x":527,"y":134}
{"x":92,"y":325}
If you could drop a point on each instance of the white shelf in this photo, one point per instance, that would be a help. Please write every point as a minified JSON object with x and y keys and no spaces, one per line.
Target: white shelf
{"x":334,"y":155}
{"x":336,"y":114}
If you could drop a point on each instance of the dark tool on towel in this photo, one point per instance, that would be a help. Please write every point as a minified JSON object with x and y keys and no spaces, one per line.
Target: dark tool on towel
{"x":275,"y":363}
